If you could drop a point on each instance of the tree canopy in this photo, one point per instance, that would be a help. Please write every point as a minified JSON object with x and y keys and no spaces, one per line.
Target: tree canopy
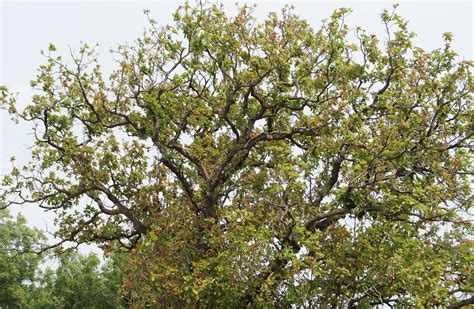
{"x":261,"y":163}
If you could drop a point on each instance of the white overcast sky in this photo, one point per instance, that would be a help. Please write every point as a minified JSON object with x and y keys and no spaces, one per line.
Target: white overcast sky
{"x":29,"y":26}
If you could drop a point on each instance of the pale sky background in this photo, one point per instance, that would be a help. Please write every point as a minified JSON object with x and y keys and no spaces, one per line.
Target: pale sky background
{"x":26,"y":27}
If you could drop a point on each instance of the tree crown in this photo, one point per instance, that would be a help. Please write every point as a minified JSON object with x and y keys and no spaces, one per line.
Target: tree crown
{"x":261,"y":162}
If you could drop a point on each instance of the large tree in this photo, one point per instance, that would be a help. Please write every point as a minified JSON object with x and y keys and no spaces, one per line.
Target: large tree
{"x":262,"y":163}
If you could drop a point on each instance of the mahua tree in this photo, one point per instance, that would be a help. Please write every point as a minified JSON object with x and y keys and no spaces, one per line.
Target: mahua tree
{"x":262,"y":163}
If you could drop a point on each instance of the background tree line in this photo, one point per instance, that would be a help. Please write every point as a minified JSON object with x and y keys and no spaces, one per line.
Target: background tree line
{"x":78,"y":281}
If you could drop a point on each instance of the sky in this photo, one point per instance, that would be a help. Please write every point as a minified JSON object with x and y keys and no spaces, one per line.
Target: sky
{"x":27,"y":27}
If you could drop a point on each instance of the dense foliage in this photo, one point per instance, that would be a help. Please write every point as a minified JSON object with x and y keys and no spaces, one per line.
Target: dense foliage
{"x":262,"y":163}
{"x":77,"y":282}
{"x":80,"y":282}
{"x":18,"y":262}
